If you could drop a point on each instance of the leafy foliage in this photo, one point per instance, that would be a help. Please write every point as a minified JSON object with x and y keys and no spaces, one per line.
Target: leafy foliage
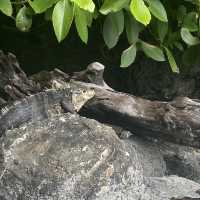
{"x":113,"y":28}
{"x":6,"y":7}
{"x":128,"y":56}
{"x":62,"y":18}
{"x":156,"y":27}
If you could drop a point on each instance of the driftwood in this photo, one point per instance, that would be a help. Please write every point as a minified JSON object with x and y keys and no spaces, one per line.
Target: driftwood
{"x":176,"y":121}
{"x":14,"y":84}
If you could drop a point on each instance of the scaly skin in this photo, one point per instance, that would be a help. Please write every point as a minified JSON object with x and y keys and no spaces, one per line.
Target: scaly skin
{"x":32,"y":108}
{"x":43,"y":105}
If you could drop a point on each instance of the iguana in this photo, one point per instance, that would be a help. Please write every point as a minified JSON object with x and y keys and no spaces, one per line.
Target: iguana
{"x":64,"y":96}
{"x":43,"y":105}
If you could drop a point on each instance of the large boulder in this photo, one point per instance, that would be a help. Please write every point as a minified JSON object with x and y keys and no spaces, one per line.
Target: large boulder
{"x":66,"y":157}
{"x":71,"y":157}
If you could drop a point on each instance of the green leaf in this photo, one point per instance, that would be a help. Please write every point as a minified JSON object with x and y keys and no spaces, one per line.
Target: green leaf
{"x":128,"y":56}
{"x":24,"y":19}
{"x":140,"y":11}
{"x":191,"y":21}
{"x":181,"y":13}
{"x":112,"y":28}
{"x":188,"y":38}
{"x":113,"y":6}
{"x":162,"y":28}
{"x":6,"y":7}
{"x":158,"y":10}
{"x":132,"y":29}
{"x":172,"y":37}
{"x":85,"y":4}
{"x":40,"y":6}
{"x":89,"y":17}
{"x":81,"y":24}
{"x":152,"y":51}
{"x":62,"y":18}
{"x":118,"y":21}
{"x":171,"y":60}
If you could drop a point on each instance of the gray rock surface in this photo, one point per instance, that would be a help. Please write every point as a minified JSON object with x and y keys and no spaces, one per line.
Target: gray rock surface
{"x":181,"y":160}
{"x":66,"y":157}
{"x":71,"y":157}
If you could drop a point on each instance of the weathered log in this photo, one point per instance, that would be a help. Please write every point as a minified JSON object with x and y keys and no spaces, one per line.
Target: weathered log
{"x":14,"y":84}
{"x":93,"y":74}
{"x":177,"y":121}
